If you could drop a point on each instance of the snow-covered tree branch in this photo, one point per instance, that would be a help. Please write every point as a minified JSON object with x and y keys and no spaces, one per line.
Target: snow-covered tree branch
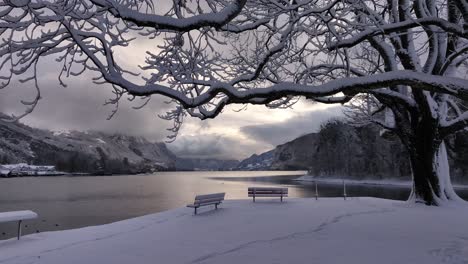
{"x":410,"y":57}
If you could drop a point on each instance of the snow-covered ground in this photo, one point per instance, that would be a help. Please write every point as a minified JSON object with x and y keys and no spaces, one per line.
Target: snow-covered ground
{"x":338,"y":180}
{"x":24,"y":169}
{"x":359,"y":230}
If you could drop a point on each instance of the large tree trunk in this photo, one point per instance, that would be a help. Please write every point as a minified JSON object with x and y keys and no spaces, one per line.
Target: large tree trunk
{"x":430,"y":169}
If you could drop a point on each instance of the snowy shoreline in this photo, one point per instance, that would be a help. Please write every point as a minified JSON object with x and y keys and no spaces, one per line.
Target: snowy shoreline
{"x":26,"y":170}
{"x":300,"y":230}
{"x":386,"y":182}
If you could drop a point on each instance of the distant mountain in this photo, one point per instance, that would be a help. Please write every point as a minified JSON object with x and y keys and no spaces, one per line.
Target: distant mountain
{"x":190,"y":164}
{"x":82,"y":151}
{"x":344,"y":151}
{"x":297,"y":154}
{"x":338,"y":150}
{"x":257,"y":162}
{"x":294,"y":155}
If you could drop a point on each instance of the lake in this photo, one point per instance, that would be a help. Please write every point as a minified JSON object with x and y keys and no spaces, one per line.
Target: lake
{"x":78,"y":201}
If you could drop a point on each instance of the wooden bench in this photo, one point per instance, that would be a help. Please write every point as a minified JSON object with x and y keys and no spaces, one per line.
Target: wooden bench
{"x":17,"y":216}
{"x":268,"y":192}
{"x":207,"y":199}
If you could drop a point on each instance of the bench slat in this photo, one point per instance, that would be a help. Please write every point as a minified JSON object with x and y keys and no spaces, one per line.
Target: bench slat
{"x":209,"y":196}
{"x":257,"y":189}
{"x":199,"y":205}
{"x":208,"y":200}
{"x":267,"y":195}
{"x":266,"y":189}
{"x":17,"y":216}
{"x":266,"y":192}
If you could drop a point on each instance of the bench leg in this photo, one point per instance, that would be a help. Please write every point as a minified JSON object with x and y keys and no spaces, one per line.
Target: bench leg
{"x":19,"y":229}
{"x":281,"y":198}
{"x":195,"y":210}
{"x":254,"y":198}
{"x":216,"y":206}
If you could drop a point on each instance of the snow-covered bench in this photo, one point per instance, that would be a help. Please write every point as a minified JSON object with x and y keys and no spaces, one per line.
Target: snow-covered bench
{"x":268,"y":192}
{"x":207,"y":199}
{"x":17,"y":216}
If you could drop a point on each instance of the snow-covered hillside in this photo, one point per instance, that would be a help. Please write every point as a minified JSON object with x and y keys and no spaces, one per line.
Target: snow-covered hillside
{"x":360,"y":230}
{"x":81,"y":151}
{"x":257,"y":162}
{"x":341,"y":150}
{"x":294,"y":155}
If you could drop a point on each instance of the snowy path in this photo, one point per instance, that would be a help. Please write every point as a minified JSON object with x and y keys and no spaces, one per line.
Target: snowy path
{"x":361,"y":230}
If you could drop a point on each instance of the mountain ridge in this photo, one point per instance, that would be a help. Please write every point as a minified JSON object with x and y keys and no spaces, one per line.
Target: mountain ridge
{"x":76,"y":151}
{"x":337,"y":149}
{"x":341,"y":150}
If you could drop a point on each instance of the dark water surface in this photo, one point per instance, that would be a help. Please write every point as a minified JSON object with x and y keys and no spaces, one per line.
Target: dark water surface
{"x":72,"y":202}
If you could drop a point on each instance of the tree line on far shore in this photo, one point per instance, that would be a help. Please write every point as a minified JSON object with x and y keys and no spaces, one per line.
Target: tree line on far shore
{"x":344,"y":150}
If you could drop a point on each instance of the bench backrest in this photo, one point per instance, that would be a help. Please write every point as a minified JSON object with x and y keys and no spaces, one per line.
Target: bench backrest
{"x":209,"y":198}
{"x":267,"y":190}
{"x":17,"y":216}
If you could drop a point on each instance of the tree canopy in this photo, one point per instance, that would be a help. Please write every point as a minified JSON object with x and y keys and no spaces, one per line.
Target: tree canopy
{"x":409,"y":56}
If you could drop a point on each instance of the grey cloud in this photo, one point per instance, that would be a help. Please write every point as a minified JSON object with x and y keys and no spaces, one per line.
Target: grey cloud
{"x":261,"y":138}
{"x":213,"y":146}
{"x":282,"y":132}
{"x":80,"y":107}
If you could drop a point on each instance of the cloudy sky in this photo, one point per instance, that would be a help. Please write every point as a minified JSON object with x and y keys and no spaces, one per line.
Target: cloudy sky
{"x":233,"y":135}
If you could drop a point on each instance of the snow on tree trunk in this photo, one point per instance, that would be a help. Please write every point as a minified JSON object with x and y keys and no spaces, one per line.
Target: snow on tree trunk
{"x":431,"y":175}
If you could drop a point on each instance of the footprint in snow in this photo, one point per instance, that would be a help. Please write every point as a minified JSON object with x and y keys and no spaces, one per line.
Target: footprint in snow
{"x":456,"y":252}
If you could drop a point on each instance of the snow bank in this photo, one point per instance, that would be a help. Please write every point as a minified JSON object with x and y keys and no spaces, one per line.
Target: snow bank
{"x":23,"y":169}
{"x":17,"y":215}
{"x":337,"y":180}
{"x":360,"y":230}
{"x":25,"y":166}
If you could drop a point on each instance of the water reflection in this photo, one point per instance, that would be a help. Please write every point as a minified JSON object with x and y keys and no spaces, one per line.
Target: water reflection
{"x":336,"y":190}
{"x":72,"y":202}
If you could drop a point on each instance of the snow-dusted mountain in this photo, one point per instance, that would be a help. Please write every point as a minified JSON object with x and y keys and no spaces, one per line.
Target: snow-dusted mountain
{"x":296,"y":154}
{"x":292,"y":155}
{"x":257,"y":162}
{"x":341,"y":150}
{"x":82,"y":151}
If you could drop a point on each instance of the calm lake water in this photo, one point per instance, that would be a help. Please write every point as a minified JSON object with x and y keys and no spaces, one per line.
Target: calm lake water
{"x":72,"y":202}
